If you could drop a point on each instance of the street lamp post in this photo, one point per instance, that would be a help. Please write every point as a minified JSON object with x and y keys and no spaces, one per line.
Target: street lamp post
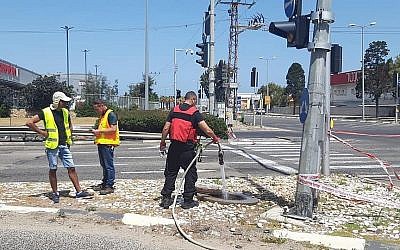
{"x":66,"y":28}
{"x":85,"y":51}
{"x":362,"y":27}
{"x":267,"y":76}
{"x":176,"y":67}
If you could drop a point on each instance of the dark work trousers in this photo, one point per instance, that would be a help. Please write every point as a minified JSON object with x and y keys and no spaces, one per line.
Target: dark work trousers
{"x":179,"y":156}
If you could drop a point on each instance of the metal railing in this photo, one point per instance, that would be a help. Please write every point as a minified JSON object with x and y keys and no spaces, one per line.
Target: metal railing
{"x":24,"y":134}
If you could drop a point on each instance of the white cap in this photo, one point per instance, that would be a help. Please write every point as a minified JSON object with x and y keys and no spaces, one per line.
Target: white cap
{"x":57,"y":96}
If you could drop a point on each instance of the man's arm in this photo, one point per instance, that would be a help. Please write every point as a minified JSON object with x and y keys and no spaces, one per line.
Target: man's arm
{"x":208,"y":131}
{"x":165,"y":131}
{"x":164,"y":134}
{"x":31,"y":123}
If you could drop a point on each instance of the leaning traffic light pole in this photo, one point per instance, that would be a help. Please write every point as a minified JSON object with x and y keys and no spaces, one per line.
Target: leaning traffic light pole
{"x":295,"y":31}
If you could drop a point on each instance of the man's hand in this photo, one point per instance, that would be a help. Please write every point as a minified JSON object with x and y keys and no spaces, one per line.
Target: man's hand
{"x":95,"y":131}
{"x":163,"y":146}
{"x":216,"y":139}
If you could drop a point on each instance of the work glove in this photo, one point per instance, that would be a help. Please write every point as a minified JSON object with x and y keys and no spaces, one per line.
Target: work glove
{"x":216,"y":139}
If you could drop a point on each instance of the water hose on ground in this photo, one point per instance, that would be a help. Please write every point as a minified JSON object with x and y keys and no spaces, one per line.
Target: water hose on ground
{"x":184,"y":235}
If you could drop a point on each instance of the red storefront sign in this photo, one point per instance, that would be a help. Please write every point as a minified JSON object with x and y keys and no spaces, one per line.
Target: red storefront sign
{"x":344,"y":78}
{"x":8,"y":69}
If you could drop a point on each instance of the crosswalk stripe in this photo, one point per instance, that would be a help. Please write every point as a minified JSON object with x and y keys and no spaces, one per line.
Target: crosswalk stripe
{"x":356,"y":167}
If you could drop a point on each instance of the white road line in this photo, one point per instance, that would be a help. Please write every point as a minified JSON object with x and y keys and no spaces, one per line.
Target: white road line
{"x":356,"y":167}
{"x":240,"y":162}
{"x":375,"y":176}
{"x":272,"y":146}
{"x":162,"y":171}
{"x":98,"y":165}
{"x":151,"y":147}
{"x":276,"y":149}
{"x":138,"y":157}
{"x":350,"y":161}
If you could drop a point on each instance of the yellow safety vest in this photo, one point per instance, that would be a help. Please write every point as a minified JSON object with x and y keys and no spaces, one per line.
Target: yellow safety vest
{"x":107,"y":138}
{"x":51,"y":128}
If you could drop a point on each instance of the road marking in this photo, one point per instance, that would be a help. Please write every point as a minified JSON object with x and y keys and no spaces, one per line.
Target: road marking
{"x":275,"y":149}
{"x":357,"y":167}
{"x":151,"y":147}
{"x":98,"y":165}
{"x":138,"y":157}
{"x":241,"y":162}
{"x":162,"y":171}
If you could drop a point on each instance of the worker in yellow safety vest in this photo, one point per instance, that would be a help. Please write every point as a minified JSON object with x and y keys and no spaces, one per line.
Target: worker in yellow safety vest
{"x":57,"y":133}
{"x":107,"y":138}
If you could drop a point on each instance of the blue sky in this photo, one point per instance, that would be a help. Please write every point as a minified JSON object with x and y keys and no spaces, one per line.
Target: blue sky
{"x":113,"y":32}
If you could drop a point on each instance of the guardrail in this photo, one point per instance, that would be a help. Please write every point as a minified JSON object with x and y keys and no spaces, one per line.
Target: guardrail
{"x":22,"y":133}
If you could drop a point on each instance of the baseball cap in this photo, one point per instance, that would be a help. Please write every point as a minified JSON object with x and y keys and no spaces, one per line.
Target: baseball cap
{"x":59,"y":96}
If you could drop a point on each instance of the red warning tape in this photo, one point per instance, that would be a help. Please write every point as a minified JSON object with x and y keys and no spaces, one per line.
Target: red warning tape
{"x":384,"y":164}
{"x":311,"y":181}
{"x":364,"y":134}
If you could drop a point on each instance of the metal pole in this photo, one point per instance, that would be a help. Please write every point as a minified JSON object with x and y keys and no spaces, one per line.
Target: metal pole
{"x":267,"y":87}
{"x":362,"y":72}
{"x":66,"y":28}
{"x":86,"y":76}
{"x":146,"y":60}
{"x":211,"y":77}
{"x":397,"y":97}
{"x":325,"y":170}
{"x":313,"y":138}
{"x":175,"y":69}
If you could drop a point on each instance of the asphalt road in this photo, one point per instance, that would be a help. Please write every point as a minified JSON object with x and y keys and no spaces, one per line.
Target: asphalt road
{"x":278,"y":145}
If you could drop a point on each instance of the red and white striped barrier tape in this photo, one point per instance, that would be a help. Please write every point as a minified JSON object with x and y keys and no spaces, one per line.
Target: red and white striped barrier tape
{"x":385,"y":165}
{"x":345,"y":132}
{"x":310,"y":181}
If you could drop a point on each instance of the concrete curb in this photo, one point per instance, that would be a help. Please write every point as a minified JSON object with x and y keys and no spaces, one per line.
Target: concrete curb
{"x":127,"y":218}
{"x":335,"y":242}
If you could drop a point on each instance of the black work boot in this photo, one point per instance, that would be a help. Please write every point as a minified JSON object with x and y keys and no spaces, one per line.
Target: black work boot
{"x":189,"y":203}
{"x":166,"y":202}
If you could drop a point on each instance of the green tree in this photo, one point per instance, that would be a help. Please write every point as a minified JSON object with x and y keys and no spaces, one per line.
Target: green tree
{"x":276,"y":92}
{"x":137,"y":89}
{"x":295,"y":80}
{"x":39,"y":93}
{"x":6,"y":100}
{"x":377,"y":80}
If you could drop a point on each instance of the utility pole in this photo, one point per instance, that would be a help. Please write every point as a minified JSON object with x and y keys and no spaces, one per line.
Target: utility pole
{"x":146,"y":59}
{"x":234,"y":31}
{"x":313,"y":137}
{"x":211,"y":71}
{"x":397,"y":99}
{"x":85,"y":51}
{"x":66,"y":28}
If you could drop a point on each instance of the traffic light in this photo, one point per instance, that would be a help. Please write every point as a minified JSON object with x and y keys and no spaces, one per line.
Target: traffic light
{"x":203,"y":54}
{"x":295,"y":31}
{"x":253,"y":77}
{"x":199,"y":94}
{"x":178,"y":93}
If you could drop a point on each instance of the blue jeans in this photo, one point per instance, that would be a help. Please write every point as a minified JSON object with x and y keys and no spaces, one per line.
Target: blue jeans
{"x":61,"y":152}
{"x":106,"y":157}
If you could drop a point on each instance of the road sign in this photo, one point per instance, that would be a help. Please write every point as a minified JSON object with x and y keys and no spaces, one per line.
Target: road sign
{"x":267,"y":100}
{"x":304,"y":101}
{"x":290,"y":7}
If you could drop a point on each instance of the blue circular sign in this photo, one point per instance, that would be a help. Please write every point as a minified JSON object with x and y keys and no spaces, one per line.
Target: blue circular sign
{"x":304,"y":102}
{"x":290,"y":7}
